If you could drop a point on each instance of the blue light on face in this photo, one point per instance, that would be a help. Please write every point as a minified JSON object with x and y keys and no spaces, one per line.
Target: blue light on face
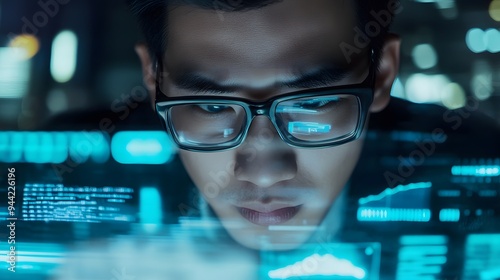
{"x":145,"y":147}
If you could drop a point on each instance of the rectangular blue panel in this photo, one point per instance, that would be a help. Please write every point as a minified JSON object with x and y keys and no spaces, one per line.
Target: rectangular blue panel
{"x":150,"y":206}
{"x":366,"y":214}
{"x":141,"y":147}
{"x":449,"y":215}
{"x":323,"y":261}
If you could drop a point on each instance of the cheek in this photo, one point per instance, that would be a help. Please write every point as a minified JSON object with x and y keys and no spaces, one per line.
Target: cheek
{"x":210,"y":172}
{"x":330,"y":168}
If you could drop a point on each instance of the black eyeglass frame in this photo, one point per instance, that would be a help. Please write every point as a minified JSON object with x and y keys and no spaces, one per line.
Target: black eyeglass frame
{"x":362,"y":91}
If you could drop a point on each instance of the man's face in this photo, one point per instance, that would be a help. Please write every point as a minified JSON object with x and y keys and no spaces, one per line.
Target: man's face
{"x":265,"y":185}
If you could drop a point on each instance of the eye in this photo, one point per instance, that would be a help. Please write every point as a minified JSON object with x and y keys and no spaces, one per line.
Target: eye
{"x":214,"y":109}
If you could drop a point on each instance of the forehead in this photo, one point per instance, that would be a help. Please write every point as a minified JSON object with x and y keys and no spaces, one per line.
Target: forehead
{"x":275,"y":36}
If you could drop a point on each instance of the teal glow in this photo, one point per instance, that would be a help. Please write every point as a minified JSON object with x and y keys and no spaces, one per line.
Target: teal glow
{"x":423,"y":239}
{"x":38,"y":147}
{"x":53,"y":147}
{"x":482,"y":253}
{"x":476,"y":170}
{"x":436,"y":260}
{"x":150,"y":206}
{"x":30,"y":147}
{"x":449,"y":215}
{"x":421,"y":257}
{"x":101,"y":150}
{"x":323,"y":265}
{"x":390,"y":192}
{"x":60,"y":141}
{"x":417,"y":250}
{"x":386,"y":214}
{"x":492,"y":37}
{"x":141,"y":147}
{"x":476,"y":40}
{"x":16,"y":147}
{"x":80,"y":148}
{"x":37,"y":256}
{"x":4,"y":147}
{"x":449,"y":193}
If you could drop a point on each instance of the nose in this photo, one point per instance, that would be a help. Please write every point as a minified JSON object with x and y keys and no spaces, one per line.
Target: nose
{"x":264,"y":159}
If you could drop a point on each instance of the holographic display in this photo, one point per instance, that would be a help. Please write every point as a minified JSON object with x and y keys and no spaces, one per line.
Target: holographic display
{"x":57,"y":202}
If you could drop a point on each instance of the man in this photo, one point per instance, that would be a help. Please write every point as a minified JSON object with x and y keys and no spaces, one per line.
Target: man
{"x":268,"y":101}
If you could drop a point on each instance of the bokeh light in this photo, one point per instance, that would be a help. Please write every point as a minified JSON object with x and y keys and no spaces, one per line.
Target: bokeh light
{"x":492,"y":38}
{"x":475,"y":40}
{"x":482,"y":85}
{"x":64,"y":56}
{"x":29,"y":45}
{"x":421,"y":88}
{"x":14,"y":72}
{"x":424,"y":56}
{"x":57,"y":101}
{"x":453,"y":96}
{"x":494,"y":10}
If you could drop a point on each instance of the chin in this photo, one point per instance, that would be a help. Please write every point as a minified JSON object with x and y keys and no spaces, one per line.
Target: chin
{"x":270,"y":240}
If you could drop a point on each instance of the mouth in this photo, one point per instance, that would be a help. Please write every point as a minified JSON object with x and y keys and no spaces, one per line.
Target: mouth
{"x":274,"y":217}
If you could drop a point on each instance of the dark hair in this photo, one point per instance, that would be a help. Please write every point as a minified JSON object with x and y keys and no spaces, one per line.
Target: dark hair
{"x":152,"y":16}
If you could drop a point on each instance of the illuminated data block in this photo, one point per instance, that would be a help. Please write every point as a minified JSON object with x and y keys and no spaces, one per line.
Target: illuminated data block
{"x":421,"y":257}
{"x":53,"y":147}
{"x":150,"y":206}
{"x":323,"y":261}
{"x":393,"y":215}
{"x":141,"y":147}
{"x":476,"y":170}
{"x":407,"y":203}
{"x":482,"y":257}
{"x":308,"y":128}
{"x":449,"y":215}
{"x":62,"y":203}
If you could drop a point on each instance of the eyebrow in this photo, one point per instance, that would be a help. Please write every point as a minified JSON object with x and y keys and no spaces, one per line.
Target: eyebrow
{"x":321,"y":77}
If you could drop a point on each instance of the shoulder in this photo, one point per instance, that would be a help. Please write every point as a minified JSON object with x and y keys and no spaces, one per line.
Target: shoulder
{"x":465,"y":130}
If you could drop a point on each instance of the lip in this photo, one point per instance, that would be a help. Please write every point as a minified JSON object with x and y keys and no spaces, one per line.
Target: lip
{"x":274,"y":217}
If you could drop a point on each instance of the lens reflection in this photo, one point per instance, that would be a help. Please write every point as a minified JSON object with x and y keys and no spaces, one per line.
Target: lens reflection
{"x":317,"y":119}
{"x":207,"y":123}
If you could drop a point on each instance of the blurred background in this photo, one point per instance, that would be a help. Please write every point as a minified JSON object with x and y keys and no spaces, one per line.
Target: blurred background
{"x":79,"y":55}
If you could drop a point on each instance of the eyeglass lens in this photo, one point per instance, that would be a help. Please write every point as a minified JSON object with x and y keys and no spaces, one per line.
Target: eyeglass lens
{"x":309,"y":119}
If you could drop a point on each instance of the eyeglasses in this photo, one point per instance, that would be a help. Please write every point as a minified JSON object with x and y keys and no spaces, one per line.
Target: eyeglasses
{"x":314,"y":118}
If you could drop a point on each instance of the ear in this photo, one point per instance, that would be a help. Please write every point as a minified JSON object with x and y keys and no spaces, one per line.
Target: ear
{"x":388,"y":71}
{"x":148,"y":72}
